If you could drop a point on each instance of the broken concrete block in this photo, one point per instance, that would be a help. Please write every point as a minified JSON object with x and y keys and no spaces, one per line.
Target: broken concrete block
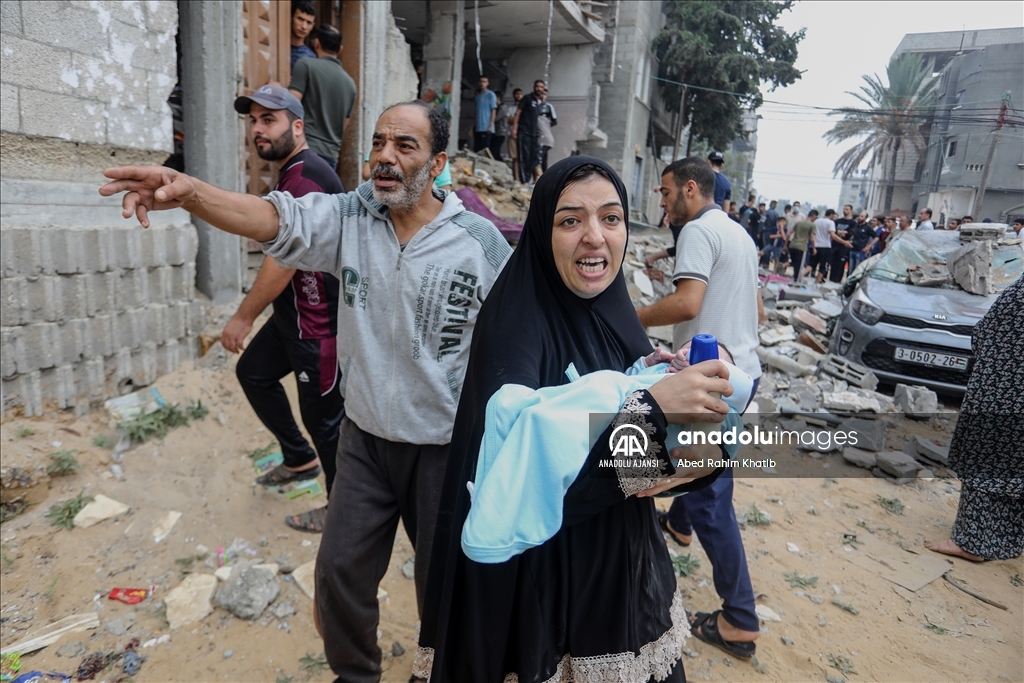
{"x":810,"y":341}
{"x":859,"y":457}
{"x":932,"y":275}
{"x":189,"y":601}
{"x":804,"y":318}
{"x":248,"y":592}
{"x":870,"y":433}
{"x":849,"y":402}
{"x":643,"y":282}
{"x":304,"y":576}
{"x":916,"y":401}
{"x":971,"y":266}
{"x":765,"y":613}
{"x":854,"y":373}
{"x":898,"y":464}
{"x":99,"y":509}
{"x":782,"y":362}
{"x":826,"y":309}
{"x":898,"y":481}
{"x":164,"y":525}
{"x":774,"y":335}
{"x":797,"y":295}
{"x":973,"y":232}
{"x":930,"y":451}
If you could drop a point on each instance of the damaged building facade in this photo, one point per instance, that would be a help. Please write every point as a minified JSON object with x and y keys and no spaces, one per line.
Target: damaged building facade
{"x":975,"y":70}
{"x":93,"y":306}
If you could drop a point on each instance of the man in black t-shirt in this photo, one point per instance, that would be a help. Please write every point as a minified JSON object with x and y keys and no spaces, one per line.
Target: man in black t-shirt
{"x":301,"y":336}
{"x":524,"y":128}
{"x":841,"y":244}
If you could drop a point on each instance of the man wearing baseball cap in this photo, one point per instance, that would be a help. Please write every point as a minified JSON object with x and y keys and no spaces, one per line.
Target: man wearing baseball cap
{"x":301,"y":335}
{"x":723,"y":188}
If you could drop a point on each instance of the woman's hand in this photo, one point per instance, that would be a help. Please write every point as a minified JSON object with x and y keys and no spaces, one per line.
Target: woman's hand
{"x":686,"y":396}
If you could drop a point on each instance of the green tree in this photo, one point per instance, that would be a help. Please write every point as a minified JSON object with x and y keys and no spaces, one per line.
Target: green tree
{"x":729,"y":45}
{"x":897,"y":117}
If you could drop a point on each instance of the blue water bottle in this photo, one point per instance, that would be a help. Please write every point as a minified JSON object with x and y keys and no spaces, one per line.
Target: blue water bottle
{"x":703,"y":347}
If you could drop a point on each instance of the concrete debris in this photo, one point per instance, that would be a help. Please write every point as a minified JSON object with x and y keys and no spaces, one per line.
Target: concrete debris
{"x":826,"y":309}
{"x":774,"y":335}
{"x":916,"y":401}
{"x":802,"y":318}
{"x":304,"y":576}
{"x":120,"y":626}
{"x":787,"y":640}
{"x":931,"y":275}
{"x":765,"y":613}
{"x":99,"y":509}
{"x":849,"y":402}
{"x":971,"y":266}
{"x":898,"y":464}
{"x":782,"y":362}
{"x":283,"y":610}
{"x":409,"y":568}
{"x":807,"y":339}
{"x":248,"y":592}
{"x":643,"y":283}
{"x":792,"y":547}
{"x":870,"y":433}
{"x":51,"y":633}
{"x":974,"y":232}
{"x":847,"y":370}
{"x":164,"y":525}
{"x":898,"y":481}
{"x":926,"y":451}
{"x":859,"y":457}
{"x":189,"y":601}
{"x":73,"y":649}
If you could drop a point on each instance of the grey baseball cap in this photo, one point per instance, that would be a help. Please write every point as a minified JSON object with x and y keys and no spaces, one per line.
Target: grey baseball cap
{"x":271,"y":97}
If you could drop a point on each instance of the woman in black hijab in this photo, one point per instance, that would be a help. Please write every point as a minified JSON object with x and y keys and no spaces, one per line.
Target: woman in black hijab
{"x":598,"y":601}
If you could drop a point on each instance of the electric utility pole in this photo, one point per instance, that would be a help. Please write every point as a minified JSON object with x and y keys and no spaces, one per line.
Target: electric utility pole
{"x":991,"y":153}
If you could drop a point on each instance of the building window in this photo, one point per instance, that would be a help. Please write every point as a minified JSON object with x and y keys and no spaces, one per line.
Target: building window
{"x":975,"y":167}
{"x":960,"y":98}
{"x":638,"y":182}
{"x":952,"y":149}
{"x":643,"y":80}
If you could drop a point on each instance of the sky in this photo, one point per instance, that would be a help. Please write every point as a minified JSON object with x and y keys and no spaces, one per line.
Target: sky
{"x":844,"y":41}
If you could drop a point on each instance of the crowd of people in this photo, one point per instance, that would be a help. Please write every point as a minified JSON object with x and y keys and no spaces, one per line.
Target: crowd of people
{"x":419,"y":339}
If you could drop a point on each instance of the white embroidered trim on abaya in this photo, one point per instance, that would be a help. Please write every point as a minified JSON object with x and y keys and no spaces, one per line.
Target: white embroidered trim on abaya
{"x":656,"y":658}
{"x":632,"y":480}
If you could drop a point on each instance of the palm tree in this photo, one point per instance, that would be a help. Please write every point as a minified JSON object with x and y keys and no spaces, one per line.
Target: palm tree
{"x":896,"y":118}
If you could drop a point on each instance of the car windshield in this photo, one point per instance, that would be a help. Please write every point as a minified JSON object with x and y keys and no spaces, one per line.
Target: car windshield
{"x":908,"y":249}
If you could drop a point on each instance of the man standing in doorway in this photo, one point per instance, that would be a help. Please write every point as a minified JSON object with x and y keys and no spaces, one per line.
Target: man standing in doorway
{"x":723,"y":188}
{"x":301,"y":336}
{"x":524,"y":127}
{"x":717,"y":292}
{"x":483,"y":121}
{"x":841,"y":244}
{"x":327,"y":93}
{"x":303,"y":21}
{"x":513,"y":141}
{"x":401,"y":379}
{"x":924,"y":220}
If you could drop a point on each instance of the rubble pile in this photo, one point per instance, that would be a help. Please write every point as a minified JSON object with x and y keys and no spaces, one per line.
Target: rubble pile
{"x":493,"y":182}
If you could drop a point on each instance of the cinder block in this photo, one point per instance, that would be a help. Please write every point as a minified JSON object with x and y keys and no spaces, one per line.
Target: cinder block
{"x":145,"y":364}
{"x":36,"y":66}
{"x":182,"y":244}
{"x":58,"y":384}
{"x":183,"y":282}
{"x":42,"y":347}
{"x":65,"y":249}
{"x":21,"y":252}
{"x":91,"y":254}
{"x":43,"y":298}
{"x":101,"y":293}
{"x":132,"y":289}
{"x":176,"y":320}
{"x":168,"y":357}
{"x":74,"y":297}
{"x":125,"y":329}
{"x":140,"y":128}
{"x":90,"y":381}
{"x":9,"y":340}
{"x":196,"y":318}
{"x":161,"y":17}
{"x":10,"y":16}
{"x":38,"y":116}
{"x":10,"y":103}
{"x":74,"y":28}
{"x":13,"y":301}
{"x":161,"y":285}
{"x":100,"y":336}
{"x":72,"y":338}
{"x":118,"y":370}
{"x":854,"y":373}
{"x":30,"y":389}
{"x":128,"y":249}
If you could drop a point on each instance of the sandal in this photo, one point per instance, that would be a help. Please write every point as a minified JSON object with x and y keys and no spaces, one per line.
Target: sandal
{"x":282,"y":475}
{"x":663,"y":523}
{"x":312,"y":521}
{"x":705,"y":627}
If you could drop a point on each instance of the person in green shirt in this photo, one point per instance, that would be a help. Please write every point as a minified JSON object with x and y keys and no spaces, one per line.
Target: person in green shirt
{"x":327,"y":93}
{"x":798,"y":243}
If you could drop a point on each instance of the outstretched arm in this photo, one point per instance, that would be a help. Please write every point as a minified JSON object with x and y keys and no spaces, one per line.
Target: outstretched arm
{"x":157,"y":188}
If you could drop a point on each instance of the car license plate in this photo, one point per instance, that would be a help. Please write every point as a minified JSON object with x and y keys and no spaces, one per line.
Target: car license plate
{"x":939,"y":360}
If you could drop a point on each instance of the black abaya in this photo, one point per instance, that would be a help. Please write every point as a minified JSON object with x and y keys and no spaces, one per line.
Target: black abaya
{"x":598,"y":601}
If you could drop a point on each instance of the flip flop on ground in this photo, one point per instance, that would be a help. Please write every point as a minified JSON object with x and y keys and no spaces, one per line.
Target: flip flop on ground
{"x":705,"y":627}
{"x":282,"y":475}
{"x":312,"y":521}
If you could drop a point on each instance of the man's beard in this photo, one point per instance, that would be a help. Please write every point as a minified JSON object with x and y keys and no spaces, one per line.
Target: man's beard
{"x":279,"y":149}
{"x":407,"y":193}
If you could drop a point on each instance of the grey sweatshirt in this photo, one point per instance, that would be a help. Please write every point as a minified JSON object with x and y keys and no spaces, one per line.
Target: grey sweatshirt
{"x":405,"y":317}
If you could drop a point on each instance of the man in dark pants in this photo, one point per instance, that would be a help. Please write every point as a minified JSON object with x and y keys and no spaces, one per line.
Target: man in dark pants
{"x":524,"y":127}
{"x":301,"y":336}
{"x":841,"y":244}
{"x":717,"y":292}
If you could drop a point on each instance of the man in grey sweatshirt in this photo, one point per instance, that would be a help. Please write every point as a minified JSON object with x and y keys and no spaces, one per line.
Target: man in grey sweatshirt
{"x":415,"y":267}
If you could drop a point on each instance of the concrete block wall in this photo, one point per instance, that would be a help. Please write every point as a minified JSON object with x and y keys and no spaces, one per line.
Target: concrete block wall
{"x":91,"y":305}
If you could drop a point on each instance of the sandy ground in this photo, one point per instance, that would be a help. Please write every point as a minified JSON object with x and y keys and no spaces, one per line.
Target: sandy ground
{"x":934,"y":634}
